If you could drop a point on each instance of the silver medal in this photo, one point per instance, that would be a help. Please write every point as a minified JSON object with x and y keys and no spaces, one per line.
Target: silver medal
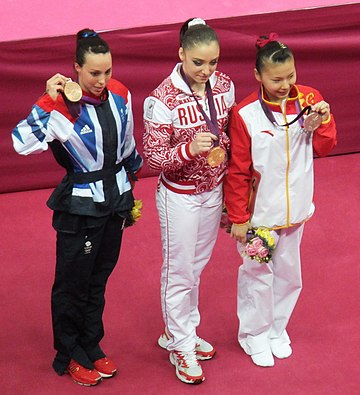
{"x":312,"y":122}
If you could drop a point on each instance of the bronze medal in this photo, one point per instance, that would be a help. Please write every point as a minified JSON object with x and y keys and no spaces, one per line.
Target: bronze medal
{"x":72,"y":91}
{"x":216,"y":156}
{"x":312,"y":122}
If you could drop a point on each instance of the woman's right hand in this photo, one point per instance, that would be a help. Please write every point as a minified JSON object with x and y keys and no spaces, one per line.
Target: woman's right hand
{"x":203,"y":143}
{"x":55,"y":85}
{"x":238,"y":231}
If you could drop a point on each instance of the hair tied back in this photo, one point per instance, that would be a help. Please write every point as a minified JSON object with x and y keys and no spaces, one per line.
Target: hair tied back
{"x":263,"y":40}
{"x":196,"y":21}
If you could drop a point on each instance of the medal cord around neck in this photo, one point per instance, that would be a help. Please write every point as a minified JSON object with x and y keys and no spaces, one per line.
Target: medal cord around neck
{"x":211,"y":123}
{"x":270,"y":116}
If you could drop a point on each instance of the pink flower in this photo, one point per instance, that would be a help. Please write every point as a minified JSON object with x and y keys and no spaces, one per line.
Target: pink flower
{"x":263,"y":252}
{"x":251,"y":250}
{"x":257,"y":242}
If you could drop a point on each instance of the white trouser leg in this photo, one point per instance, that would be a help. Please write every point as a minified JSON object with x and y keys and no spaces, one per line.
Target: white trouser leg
{"x":287,"y":280}
{"x":209,"y":222}
{"x":267,"y":293}
{"x":189,"y":226}
{"x":255,"y":305}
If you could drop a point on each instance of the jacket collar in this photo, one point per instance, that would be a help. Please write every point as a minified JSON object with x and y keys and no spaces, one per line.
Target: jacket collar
{"x":179,"y":83}
{"x":290,"y":101}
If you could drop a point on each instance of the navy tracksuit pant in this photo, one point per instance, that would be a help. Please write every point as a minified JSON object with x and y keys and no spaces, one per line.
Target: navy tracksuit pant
{"x":84,"y":262}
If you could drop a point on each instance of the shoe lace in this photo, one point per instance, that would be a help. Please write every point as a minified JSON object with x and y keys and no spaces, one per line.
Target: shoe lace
{"x":199,"y":341}
{"x":187,"y":359}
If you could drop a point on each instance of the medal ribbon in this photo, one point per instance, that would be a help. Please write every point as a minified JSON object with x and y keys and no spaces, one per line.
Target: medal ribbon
{"x":212,"y":121}
{"x":96,"y":100}
{"x":271,"y":118}
{"x":75,"y":108}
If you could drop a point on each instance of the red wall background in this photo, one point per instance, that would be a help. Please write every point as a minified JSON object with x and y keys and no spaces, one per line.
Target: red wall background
{"x":326,"y":43}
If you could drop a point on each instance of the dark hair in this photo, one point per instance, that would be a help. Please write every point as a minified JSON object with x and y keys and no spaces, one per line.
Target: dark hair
{"x":270,"y":50}
{"x":88,"y":41}
{"x":196,"y":34}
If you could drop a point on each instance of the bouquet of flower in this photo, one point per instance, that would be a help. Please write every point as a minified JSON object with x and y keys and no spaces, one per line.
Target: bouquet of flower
{"x":136,"y":211}
{"x":260,"y":245}
{"x":132,"y":216}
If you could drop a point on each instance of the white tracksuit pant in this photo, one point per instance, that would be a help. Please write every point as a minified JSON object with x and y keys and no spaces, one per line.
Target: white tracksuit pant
{"x":189,"y":227}
{"x":267,"y":293}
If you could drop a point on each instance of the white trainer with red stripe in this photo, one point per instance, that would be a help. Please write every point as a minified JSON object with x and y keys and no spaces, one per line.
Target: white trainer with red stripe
{"x":188,"y":369}
{"x":203,"y":349}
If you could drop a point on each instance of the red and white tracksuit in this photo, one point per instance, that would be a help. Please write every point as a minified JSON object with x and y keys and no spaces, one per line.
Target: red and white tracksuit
{"x":189,"y":195}
{"x":270,"y":183}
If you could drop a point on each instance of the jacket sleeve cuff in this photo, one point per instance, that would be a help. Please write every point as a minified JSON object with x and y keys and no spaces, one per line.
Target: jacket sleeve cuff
{"x":327,"y":121}
{"x":241,"y":224}
{"x":184,"y":152}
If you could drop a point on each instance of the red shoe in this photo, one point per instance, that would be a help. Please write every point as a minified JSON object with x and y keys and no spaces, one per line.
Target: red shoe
{"x":83,"y":376}
{"x":105,"y":367}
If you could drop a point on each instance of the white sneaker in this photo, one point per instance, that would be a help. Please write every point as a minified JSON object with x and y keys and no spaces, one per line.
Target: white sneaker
{"x":187,"y":367}
{"x":264,"y":358}
{"x":203,"y":349}
{"x":280,"y":350}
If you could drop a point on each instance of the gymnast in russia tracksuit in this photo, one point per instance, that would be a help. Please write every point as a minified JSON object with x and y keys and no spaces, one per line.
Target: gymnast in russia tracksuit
{"x":93,"y":202}
{"x":189,"y":196}
{"x":270,"y":184}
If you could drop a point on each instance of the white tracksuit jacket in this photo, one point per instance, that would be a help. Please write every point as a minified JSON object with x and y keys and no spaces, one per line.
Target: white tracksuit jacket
{"x":270,"y":175}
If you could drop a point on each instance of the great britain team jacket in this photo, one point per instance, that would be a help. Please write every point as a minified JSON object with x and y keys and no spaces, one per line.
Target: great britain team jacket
{"x":270,"y":177}
{"x":97,"y":149}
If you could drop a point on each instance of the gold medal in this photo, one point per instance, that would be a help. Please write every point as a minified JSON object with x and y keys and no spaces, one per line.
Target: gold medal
{"x":72,"y":91}
{"x":312,"y":122}
{"x":216,"y":156}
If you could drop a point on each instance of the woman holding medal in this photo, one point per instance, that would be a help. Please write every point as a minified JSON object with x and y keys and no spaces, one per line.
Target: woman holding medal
{"x":270,"y":184}
{"x":89,"y":127}
{"x":185,"y":121}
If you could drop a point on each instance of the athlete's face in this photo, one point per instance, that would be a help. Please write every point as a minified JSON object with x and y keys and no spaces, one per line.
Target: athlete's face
{"x":95,"y":73}
{"x":277,"y":79}
{"x":199,"y":62}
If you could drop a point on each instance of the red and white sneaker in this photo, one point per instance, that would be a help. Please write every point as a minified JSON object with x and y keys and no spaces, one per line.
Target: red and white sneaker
{"x":188,"y":369}
{"x":83,"y":376}
{"x":105,"y":367}
{"x":203,"y":349}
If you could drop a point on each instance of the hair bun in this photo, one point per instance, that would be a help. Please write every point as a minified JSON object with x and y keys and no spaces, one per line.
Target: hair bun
{"x":89,"y":34}
{"x":86,"y":33}
{"x":263,"y":40}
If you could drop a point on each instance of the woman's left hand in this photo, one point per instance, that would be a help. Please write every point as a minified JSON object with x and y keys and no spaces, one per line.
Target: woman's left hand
{"x":323,"y":108}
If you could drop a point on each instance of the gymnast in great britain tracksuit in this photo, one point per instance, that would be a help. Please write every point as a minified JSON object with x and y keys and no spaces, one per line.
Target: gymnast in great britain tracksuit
{"x":93,"y":140}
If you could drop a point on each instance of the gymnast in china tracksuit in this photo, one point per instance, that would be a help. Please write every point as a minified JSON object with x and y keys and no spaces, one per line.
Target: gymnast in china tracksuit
{"x":270,"y":184}
{"x":189,"y":197}
{"x":92,"y":203}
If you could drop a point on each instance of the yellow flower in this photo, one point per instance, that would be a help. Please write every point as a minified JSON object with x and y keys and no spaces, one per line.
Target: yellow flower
{"x":136,"y":210}
{"x":265,"y":234}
